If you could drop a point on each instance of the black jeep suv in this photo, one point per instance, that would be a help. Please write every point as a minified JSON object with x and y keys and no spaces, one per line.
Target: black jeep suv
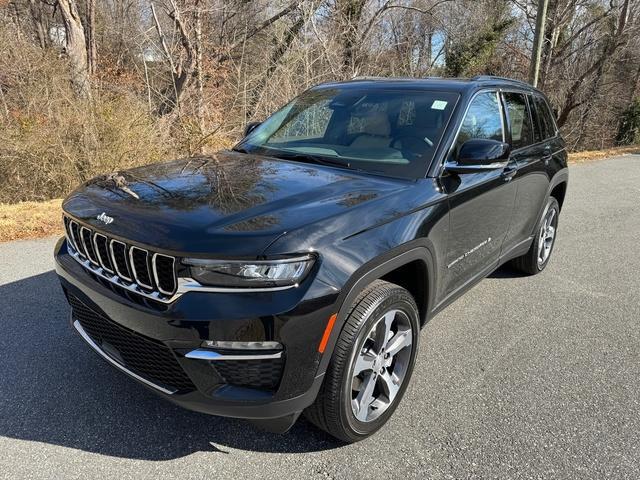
{"x":294,"y":272}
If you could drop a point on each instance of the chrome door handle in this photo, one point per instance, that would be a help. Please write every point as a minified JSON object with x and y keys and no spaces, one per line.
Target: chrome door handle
{"x":508,"y":173}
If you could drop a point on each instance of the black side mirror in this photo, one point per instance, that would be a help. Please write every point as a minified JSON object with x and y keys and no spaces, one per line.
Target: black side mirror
{"x":250,"y":127}
{"x":478,"y":154}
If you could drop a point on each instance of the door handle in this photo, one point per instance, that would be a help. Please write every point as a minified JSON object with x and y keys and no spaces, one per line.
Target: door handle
{"x":508,"y":173}
{"x":547,"y":155}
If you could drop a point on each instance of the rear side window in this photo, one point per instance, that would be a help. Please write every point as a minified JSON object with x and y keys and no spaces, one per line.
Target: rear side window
{"x":519,"y":119}
{"x":545,"y":118}
{"x":483,"y":119}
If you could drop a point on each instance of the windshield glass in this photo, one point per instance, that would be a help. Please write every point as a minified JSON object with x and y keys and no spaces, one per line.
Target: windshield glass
{"x":390,"y":132}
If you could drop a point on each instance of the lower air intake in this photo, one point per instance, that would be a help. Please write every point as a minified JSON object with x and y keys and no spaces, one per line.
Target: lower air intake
{"x":144,"y":356}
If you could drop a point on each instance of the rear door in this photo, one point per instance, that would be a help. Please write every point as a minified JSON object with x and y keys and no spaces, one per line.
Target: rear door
{"x":480,"y":204}
{"x":534,"y":170}
{"x":528,"y":150}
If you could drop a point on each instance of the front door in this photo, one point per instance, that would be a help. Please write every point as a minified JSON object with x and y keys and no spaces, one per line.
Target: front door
{"x":480,"y":204}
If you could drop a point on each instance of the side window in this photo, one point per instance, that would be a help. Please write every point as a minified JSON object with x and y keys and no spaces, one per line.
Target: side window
{"x":519,"y":120}
{"x":547,"y":124}
{"x":538,"y":133}
{"x":483,"y":119}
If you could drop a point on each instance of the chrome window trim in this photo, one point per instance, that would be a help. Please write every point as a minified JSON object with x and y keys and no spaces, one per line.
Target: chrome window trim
{"x":154,"y":269}
{"x":97,"y":250}
{"x":116,"y":364}
{"x":113,"y":259}
{"x":90,"y":241}
{"x":133,"y":266}
{"x":210,"y":355}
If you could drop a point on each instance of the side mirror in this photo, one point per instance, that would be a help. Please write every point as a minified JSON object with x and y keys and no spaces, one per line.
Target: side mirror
{"x":250,"y":127}
{"x":478,"y":155}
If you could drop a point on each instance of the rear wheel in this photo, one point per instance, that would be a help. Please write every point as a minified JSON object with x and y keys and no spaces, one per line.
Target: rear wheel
{"x":371,"y":364}
{"x":537,"y":258}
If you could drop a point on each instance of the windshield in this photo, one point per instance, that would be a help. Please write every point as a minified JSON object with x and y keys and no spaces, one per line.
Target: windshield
{"x":390,"y":132}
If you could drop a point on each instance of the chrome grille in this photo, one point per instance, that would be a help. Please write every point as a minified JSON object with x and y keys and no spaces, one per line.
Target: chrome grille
{"x":163,"y":268}
{"x":145,"y":272}
{"x":139,"y":261}
{"x":86,"y":237}
{"x":75,"y":237}
{"x":119,"y":257}
{"x":101,"y":244}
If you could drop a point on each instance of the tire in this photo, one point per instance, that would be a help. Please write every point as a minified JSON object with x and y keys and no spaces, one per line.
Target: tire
{"x":533,"y":261}
{"x":366,"y":341}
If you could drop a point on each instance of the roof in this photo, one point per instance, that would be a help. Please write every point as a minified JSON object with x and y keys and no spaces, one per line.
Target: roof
{"x":459,"y":85}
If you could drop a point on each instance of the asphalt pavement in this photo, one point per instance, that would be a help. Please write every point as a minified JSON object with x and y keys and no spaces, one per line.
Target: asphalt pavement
{"x":522,"y":377}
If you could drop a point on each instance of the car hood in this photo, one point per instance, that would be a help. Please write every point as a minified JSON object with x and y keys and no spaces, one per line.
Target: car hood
{"x":229,"y":204}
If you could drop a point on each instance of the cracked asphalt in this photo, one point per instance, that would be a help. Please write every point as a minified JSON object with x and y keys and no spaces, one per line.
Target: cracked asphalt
{"x":522,"y":377}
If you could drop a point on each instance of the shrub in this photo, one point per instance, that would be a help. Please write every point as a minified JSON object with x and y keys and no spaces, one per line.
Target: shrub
{"x":629,"y":128}
{"x":50,"y":140}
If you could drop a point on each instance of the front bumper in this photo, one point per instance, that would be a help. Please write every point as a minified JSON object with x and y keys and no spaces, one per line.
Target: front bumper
{"x":150,"y":343}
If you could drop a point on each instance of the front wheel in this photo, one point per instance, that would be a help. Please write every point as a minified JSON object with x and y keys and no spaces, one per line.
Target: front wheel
{"x":537,"y":258}
{"x":371,"y":364}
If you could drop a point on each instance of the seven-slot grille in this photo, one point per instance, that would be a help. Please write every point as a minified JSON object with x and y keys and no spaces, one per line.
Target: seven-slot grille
{"x":127,"y":264}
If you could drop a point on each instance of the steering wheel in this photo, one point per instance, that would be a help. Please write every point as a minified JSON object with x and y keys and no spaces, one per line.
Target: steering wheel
{"x":412,"y":144}
{"x":414,"y":138}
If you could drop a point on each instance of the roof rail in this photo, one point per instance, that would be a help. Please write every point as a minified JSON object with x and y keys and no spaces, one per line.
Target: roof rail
{"x":502,"y":79}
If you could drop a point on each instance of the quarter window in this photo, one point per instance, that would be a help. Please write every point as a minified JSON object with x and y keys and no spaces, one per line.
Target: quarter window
{"x":483,"y":119}
{"x":519,"y":120}
{"x":547,"y":125}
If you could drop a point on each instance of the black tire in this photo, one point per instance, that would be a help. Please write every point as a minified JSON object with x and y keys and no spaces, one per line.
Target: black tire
{"x":530,"y":262}
{"x":332,"y":410}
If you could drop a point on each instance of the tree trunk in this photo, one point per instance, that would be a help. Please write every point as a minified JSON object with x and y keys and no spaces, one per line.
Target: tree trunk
{"x":198,"y":72}
{"x":38,"y":23}
{"x":76,"y":48}
{"x":92,"y":51}
{"x":181,"y":72}
{"x":349,"y":15}
{"x":538,"y":40}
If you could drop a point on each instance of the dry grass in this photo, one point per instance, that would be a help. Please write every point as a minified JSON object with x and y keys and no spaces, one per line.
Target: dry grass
{"x":30,"y":220}
{"x":586,"y":156}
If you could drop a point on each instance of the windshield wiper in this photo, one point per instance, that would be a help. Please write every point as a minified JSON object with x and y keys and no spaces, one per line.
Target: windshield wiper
{"x":305,"y":157}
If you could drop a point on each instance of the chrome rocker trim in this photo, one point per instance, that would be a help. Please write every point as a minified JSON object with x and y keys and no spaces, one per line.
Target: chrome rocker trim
{"x":118,"y":365}
{"x":203,"y":354}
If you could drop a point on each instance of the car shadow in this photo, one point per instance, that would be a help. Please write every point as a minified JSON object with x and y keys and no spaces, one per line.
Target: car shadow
{"x":54,"y":389}
{"x":506,"y":271}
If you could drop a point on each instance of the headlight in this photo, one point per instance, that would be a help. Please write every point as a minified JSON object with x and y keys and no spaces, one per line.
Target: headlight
{"x":248,"y":274}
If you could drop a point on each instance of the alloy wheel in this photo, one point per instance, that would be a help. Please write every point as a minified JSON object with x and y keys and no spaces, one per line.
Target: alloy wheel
{"x":547,"y":236}
{"x":381,"y":365}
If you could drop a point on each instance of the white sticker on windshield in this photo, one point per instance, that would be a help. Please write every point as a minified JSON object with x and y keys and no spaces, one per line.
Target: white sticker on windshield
{"x":438,"y":105}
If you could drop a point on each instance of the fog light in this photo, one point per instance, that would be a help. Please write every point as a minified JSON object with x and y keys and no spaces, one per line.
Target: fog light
{"x":232,"y":345}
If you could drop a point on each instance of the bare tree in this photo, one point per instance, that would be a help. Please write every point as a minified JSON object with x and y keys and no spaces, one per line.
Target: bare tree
{"x":76,"y":47}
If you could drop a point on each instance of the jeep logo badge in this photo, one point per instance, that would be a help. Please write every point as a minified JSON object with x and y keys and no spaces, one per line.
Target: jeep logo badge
{"x":103,"y":217}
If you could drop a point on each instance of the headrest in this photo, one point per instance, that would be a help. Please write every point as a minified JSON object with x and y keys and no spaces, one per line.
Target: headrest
{"x":377,"y":123}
